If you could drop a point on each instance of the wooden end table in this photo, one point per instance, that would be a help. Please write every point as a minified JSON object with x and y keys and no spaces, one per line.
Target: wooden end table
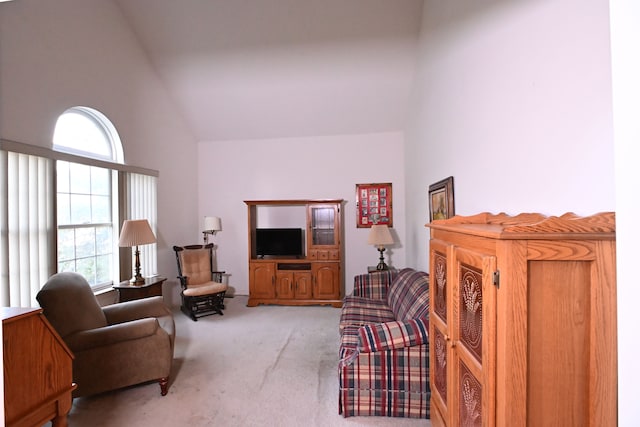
{"x":151,"y":287}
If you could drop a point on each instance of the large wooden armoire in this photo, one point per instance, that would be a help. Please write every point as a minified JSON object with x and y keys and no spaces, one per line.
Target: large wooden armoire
{"x":523,"y":321}
{"x":37,"y":370}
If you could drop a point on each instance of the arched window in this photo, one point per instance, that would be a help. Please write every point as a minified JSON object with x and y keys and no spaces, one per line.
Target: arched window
{"x":80,"y":192}
{"x":87,"y":132}
{"x":86,"y":196}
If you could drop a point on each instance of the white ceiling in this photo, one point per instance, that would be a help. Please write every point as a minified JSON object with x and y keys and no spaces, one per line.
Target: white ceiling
{"x":251,"y":69}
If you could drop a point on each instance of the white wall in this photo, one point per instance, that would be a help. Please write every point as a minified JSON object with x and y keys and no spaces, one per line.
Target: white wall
{"x":625,"y":34}
{"x":514,"y":100}
{"x":55,"y":55}
{"x":298,"y":168}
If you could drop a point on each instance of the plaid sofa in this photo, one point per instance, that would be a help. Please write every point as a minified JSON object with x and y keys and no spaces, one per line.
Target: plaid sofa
{"x":384,"y":346}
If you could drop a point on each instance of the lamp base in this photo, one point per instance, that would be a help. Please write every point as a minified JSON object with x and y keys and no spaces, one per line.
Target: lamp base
{"x":381,"y":265}
{"x":137,"y":280}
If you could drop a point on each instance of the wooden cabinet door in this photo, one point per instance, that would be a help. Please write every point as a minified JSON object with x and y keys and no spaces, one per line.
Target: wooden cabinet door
{"x":471,"y":389}
{"x":284,"y":284}
{"x":302,"y":283}
{"x":262,"y":279}
{"x":293,"y":285}
{"x":326,"y":278}
{"x":440,"y":314}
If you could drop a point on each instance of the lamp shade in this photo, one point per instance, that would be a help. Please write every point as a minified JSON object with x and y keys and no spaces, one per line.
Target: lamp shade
{"x":136,"y":232}
{"x":212,"y":223}
{"x":379,"y":235}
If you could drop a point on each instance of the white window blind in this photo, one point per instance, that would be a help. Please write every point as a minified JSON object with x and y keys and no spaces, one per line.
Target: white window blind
{"x":27,"y":253}
{"x":28,"y":249}
{"x":141,"y":202}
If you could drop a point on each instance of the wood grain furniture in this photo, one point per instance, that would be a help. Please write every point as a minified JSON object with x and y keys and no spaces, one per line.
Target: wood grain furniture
{"x":523,"y":320}
{"x":37,"y":370}
{"x":314,"y":278}
{"x":128,"y":291}
{"x":115,"y":346}
{"x":202,"y":291}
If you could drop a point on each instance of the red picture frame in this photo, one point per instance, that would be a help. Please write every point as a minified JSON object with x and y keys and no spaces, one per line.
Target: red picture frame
{"x":374,"y":204}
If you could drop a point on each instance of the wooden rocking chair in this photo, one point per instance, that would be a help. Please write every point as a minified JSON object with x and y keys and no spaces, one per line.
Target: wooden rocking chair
{"x":202,"y":288}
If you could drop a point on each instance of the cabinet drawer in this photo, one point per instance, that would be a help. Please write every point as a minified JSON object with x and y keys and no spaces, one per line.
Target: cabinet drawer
{"x":324,"y":254}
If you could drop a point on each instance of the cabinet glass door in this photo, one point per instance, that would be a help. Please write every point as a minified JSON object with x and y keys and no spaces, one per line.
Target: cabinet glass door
{"x":323,"y":225}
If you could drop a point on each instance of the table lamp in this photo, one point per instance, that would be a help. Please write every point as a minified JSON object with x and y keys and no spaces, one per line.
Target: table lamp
{"x":136,"y":232}
{"x":379,"y":236}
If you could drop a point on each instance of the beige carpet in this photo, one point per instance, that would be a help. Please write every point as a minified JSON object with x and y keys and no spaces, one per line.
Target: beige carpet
{"x":260,"y":366}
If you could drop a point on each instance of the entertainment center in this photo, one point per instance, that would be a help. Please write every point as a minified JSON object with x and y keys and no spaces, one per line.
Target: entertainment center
{"x":296,"y":266}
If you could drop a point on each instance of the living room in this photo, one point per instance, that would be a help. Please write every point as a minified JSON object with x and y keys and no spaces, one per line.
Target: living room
{"x":513,"y":99}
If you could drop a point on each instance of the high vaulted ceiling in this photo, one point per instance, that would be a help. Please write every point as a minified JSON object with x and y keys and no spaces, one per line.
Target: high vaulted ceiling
{"x":252,"y":69}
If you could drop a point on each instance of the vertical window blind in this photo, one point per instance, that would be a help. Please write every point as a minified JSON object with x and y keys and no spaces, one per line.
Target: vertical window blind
{"x":141,"y":203}
{"x":28,"y":233}
{"x":28,"y":249}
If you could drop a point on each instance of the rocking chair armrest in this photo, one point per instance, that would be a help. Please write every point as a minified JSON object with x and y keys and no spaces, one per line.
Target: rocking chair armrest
{"x":216,"y":275}
{"x":183,"y":281}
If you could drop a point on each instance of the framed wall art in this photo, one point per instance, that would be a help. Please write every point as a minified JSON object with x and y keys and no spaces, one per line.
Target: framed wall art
{"x":441,"y":205}
{"x":374,"y":204}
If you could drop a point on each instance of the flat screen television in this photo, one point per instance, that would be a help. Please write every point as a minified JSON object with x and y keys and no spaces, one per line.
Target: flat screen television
{"x":285,"y":242}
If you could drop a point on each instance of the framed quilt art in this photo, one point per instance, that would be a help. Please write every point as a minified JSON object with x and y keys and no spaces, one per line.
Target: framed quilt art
{"x":374,"y":204}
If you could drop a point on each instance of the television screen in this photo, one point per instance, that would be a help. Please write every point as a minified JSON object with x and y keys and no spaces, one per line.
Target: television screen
{"x":279,"y":242}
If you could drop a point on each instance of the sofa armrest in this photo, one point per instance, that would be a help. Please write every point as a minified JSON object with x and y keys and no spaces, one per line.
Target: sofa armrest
{"x":113,"y":334}
{"x":136,"y":309}
{"x":393,"y":335}
{"x":373,"y":285}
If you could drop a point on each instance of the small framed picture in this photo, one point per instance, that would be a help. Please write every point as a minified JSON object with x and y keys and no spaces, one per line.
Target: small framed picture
{"x":441,"y":204}
{"x":374,"y":204}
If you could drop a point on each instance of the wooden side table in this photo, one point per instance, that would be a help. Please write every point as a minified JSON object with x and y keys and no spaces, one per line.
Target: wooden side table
{"x":152,"y":287}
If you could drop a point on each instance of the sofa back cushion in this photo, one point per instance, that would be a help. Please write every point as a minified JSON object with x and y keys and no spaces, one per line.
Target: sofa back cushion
{"x":408,"y":295}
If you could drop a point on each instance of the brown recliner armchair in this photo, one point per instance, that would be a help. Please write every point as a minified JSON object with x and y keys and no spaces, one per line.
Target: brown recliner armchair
{"x":114,"y":346}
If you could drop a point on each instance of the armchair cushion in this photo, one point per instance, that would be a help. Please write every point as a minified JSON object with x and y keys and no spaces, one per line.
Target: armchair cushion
{"x":206,"y":288}
{"x":198,"y":264}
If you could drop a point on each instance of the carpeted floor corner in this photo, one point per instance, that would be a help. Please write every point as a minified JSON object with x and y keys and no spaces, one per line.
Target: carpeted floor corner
{"x":259,"y":366}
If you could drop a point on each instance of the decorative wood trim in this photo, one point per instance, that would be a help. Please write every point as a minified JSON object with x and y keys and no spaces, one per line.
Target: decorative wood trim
{"x":534,"y":224}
